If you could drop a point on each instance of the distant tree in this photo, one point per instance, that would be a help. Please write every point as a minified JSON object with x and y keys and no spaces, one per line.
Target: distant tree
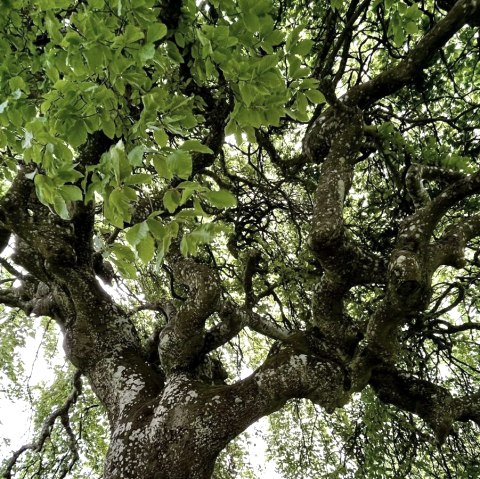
{"x":200,"y":191}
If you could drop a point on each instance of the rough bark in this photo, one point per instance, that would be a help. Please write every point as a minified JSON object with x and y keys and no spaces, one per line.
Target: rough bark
{"x":170,"y":421}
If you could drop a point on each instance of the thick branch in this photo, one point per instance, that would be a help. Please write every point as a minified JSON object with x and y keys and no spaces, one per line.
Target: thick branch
{"x":431,"y":402}
{"x":182,"y":340}
{"x":449,"y":249}
{"x":415,"y":188}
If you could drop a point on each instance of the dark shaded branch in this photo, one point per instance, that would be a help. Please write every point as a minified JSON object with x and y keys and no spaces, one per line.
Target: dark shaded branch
{"x":415,"y":188}
{"x":9,"y":298}
{"x":433,"y":403}
{"x":10,"y":268}
{"x":233,"y":320}
{"x":447,"y":328}
{"x":181,"y":341}
{"x":449,"y":249}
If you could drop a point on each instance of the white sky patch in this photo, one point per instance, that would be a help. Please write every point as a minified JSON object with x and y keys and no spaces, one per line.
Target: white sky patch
{"x":16,"y":417}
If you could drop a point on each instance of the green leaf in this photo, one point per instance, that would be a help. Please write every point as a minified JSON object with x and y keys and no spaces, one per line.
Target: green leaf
{"x":137,"y":233}
{"x":294,"y":63}
{"x":315,"y":96}
{"x":162,"y":167}
{"x":303,"y":47}
{"x":202,"y":234}
{"x":156,"y":228}
{"x":275,"y":38}
{"x":337,"y":4}
{"x":138,"y":179}
{"x":120,"y":203}
{"x":123,"y":252}
{"x":119,"y":161}
{"x":251,"y":21}
{"x":180,"y":163}
{"x":108,"y":127}
{"x":77,"y":135}
{"x":146,"y":248}
{"x":248,"y":92}
{"x":171,"y":200}
{"x":156,"y":32}
{"x":135,"y":156}
{"x":161,"y":138}
{"x":195,"y":145}
{"x":173,"y":52}
{"x":411,"y":28}
{"x":132,"y":34}
{"x":71,"y":193}
{"x":221,"y":199}
{"x":45,"y":189}
{"x":147,"y":52}
{"x":60,"y":207}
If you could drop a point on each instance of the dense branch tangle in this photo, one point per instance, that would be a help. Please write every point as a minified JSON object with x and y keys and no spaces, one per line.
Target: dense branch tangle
{"x":333,"y":256}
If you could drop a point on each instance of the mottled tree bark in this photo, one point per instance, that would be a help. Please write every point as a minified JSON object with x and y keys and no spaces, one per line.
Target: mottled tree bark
{"x":170,"y":422}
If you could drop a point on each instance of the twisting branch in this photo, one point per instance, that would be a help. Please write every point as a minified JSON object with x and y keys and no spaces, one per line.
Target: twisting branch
{"x":233,"y":320}
{"x":415,"y":188}
{"x":182,"y":339}
{"x":268,"y":328}
{"x":433,"y":403}
{"x":449,"y":249}
{"x":344,"y":262}
{"x":411,"y":266}
{"x":62,"y":412}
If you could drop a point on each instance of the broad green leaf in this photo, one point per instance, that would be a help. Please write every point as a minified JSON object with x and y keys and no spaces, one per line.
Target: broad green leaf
{"x":251,"y":21}
{"x":315,"y":96}
{"x":162,"y":167}
{"x":108,"y":127}
{"x":171,"y":200}
{"x":71,"y":193}
{"x":180,"y":163}
{"x":123,"y":252}
{"x":132,"y":34}
{"x":184,"y":246}
{"x":303,"y":47}
{"x":146,"y":248}
{"x":119,"y":204}
{"x":60,"y":207}
{"x":137,"y":233}
{"x":45,"y":189}
{"x":135,"y":156}
{"x":411,"y":28}
{"x":156,"y":32}
{"x":161,"y":138}
{"x":77,"y":134}
{"x":156,"y":228}
{"x":221,"y":199}
{"x":138,"y":179}
{"x":119,"y":161}
{"x":248,"y":92}
{"x":195,"y":145}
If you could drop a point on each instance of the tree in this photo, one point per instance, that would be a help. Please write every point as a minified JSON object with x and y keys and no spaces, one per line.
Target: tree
{"x":189,"y":183}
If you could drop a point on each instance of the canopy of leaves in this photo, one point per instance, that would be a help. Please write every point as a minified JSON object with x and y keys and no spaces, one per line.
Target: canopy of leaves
{"x":205,"y":130}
